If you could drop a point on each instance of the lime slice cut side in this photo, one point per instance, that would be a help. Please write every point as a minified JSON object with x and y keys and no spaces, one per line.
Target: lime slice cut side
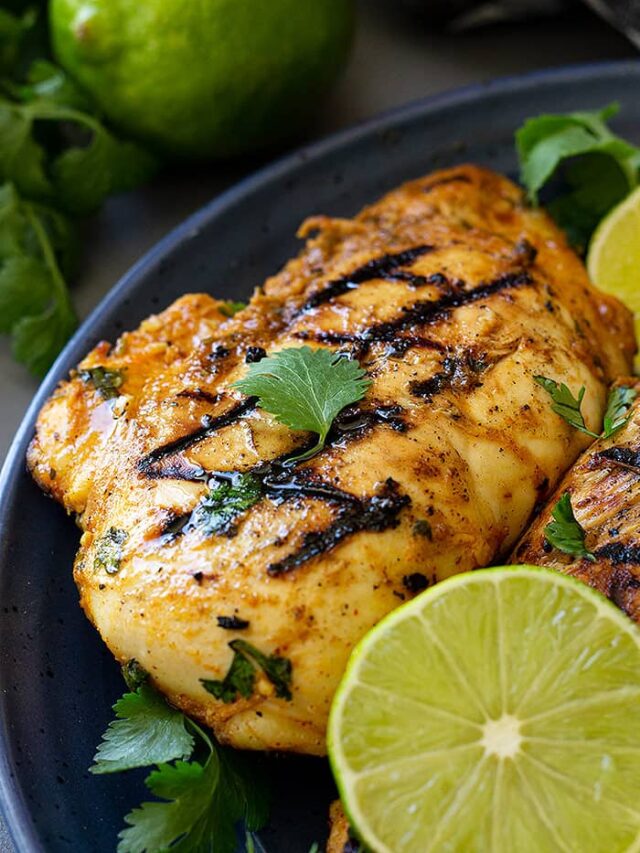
{"x":499,"y":711}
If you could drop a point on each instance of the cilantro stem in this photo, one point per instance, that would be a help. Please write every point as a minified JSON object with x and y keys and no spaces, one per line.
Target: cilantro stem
{"x":60,"y":286}
{"x":308,"y":454}
{"x":200,"y":732}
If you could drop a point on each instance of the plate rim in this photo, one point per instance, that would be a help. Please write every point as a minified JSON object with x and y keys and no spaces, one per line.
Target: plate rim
{"x":13,"y":806}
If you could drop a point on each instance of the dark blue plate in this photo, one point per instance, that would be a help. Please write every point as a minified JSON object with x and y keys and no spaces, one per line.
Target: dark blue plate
{"x":57,"y":682}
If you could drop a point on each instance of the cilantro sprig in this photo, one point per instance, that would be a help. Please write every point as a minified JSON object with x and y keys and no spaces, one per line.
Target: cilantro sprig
{"x":618,"y":410}
{"x":305,"y":389}
{"x":594,"y":168}
{"x":564,"y":532}
{"x":617,"y":413}
{"x":201,"y":799}
{"x":58,"y":160}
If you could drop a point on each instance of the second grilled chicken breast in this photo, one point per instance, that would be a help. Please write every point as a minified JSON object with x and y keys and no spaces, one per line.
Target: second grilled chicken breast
{"x":604,"y":486}
{"x":452,"y":294}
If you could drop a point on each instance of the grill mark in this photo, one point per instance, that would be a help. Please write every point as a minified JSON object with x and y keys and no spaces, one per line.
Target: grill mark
{"x":626,"y":457}
{"x":210,"y":425}
{"x":354,"y":514}
{"x":619,"y":553}
{"x":377,"y":513}
{"x":351,"y":424}
{"x":199,"y":394}
{"x":286,"y":486}
{"x":279,"y":483}
{"x":218,"y":352}
{"x":386,"y":267}
{"x":422,"y":313}
{"x":459,"y":370}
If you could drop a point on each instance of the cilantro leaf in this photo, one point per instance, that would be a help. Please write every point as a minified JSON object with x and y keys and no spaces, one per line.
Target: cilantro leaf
{"x":305,"y":389}
{"x":105,"y":380}
{"x":276,"y":668}
{"x":229,"y":308}
{"x":565,"y":404}
{"x":203,"y":804}
{"x":225,"y":501}
{"x":134,"y":674}
{"x":109,"y":550}
{"x":17,"y":301}
{"x":618,"y":411}
{"x":598,"y":167}
{"x":84,"y":164}
{"x":147,"y":731}
{"x":34,"y":301}
{"x":84,"y":176}
{"x":37,"y":339}
{"x":564,"y":532}
{"x":200,"y":801}
{"x":240,"y":678}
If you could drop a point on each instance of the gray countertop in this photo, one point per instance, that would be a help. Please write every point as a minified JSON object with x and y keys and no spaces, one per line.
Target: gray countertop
{"x":394,"y":60}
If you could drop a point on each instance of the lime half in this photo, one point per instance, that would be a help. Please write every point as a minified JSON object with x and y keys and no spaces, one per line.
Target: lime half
{"x":498,"y":712}
{"x":614,"y":255}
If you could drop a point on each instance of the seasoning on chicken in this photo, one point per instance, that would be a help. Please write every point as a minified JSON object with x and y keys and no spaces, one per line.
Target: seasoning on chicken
{"x":604,"y":489}
{"x":241,"y":583}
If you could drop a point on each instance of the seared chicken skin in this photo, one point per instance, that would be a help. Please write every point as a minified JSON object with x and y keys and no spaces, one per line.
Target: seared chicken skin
{"x":604,"y":486}
{"x":452,"y":294}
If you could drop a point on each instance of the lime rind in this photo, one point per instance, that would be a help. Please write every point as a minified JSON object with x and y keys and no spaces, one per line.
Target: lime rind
{"x":532,"y":790}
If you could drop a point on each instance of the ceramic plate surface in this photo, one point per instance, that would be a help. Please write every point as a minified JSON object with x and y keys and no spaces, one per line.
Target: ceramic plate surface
{"x":57,"y":681}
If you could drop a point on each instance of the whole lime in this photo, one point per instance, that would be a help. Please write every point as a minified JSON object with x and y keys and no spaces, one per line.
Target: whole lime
{"x":203,"y":78}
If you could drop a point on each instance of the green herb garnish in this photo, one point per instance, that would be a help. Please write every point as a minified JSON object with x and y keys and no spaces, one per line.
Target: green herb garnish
{"x":305,"y":389}
{"x":225,"y":501}
{"x":147,"y":731}
{"x":109,"y":550}
{"x":618,"y":411}
{"x":201,"y":801}
{"x":57,"y":160}
{"x":229,"y":308}
{"x":596,"y":167}
{"x":564,"y":532}
{"x":35,"y":250}
{"x":568,"y":407}
{"x":240,"y":678}
{"x":134,"y":674}
{"x":565,"y":404}
{"x":104,"y":379}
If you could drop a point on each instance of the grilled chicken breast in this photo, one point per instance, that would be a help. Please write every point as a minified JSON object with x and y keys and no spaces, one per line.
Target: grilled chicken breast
{"x":604,"y":485}
{"x":453,"y":294}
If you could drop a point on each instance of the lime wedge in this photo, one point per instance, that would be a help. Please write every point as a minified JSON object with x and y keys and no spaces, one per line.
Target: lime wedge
{"x":499,"y":711}
{"x":613,"y":261}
